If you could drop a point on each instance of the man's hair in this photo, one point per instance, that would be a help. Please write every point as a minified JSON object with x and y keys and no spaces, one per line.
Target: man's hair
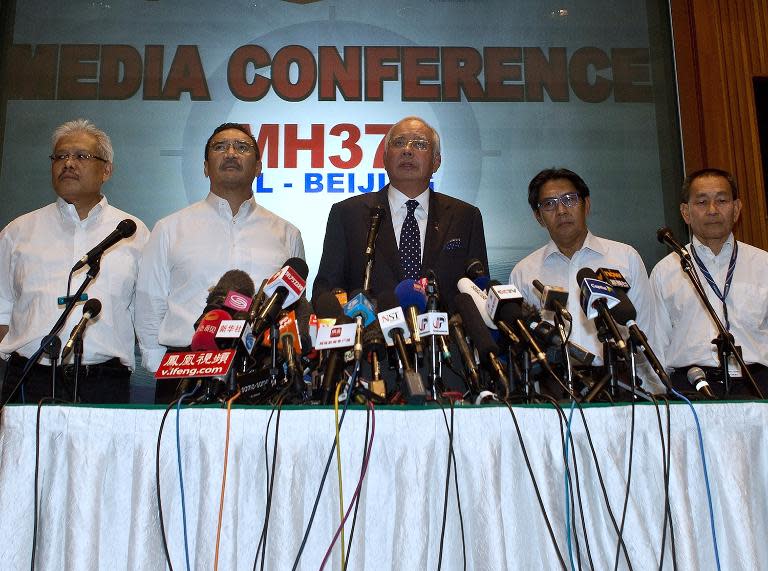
{"x":685,"y":192}
{"x":103,"y":144}
{"x":239,"y":127}
{"x":534,"y":187}
{"x":434,"y":138}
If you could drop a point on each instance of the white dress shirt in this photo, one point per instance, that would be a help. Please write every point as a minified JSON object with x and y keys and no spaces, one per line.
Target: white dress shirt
{"x":552,"y":268}
{"x":683,"y":327}
{"x":37,"y":251}
{"x":186,"y":255}
{"x":399,"y":211}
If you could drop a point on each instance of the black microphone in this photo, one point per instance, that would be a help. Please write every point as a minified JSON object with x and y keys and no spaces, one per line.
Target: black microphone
{"x":665,"y":236}
{"x":481,"y":337}
{"x":91,"y":309}
{"x":125,"y":229}
{"x":590,"y":298}
{"x":377,"y":213}
{"x":456,"y":329}
{"x":283,"y":288}
{"x":698,"y":380}
{"x":553,"y":298}
{"x":327,"y":306}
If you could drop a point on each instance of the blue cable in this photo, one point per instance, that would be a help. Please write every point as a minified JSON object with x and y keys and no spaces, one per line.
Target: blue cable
{"x":181,"y":477}
{"x":706,"y":475}
{"x":567,"y":486}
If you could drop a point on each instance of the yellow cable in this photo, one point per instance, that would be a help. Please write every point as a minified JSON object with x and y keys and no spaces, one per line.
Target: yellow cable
{"x":224,"y":480}
{"x":338,"y":465}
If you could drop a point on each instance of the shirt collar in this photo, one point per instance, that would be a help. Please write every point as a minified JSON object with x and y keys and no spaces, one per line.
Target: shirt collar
{"x":591,"y":242}
{"x":704,"y":250}
{"x":68,"y":212}
{"x":221,"y":206}
{"x":397,"y":199}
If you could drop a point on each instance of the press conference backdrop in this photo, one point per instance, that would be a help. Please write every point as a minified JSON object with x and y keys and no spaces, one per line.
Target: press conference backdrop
{"x":512,"y":86}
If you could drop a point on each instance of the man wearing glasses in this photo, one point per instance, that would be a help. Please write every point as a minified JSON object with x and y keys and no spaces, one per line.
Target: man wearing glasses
{"x":37,"y":252}
{"x":734,"y":276}
{"x":191,"y":249}
{"x":560,"y":202}
{"x":420,"y":229}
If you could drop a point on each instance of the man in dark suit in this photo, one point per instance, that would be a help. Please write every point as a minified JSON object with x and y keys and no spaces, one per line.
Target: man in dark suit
{"x":420,"y":230}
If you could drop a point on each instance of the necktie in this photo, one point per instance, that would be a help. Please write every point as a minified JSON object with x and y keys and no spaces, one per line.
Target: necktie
{"x":410,"y":244}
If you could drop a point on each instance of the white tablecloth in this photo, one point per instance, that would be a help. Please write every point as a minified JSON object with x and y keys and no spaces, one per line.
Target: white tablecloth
{"x":98,"y":508}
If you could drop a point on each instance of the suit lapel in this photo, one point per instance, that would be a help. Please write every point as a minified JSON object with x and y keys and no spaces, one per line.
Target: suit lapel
{"x":386,"y":245}
{"x":438,"y":222}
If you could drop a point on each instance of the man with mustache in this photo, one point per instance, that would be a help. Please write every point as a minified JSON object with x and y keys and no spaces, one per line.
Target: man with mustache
{"x":191,"y":249}
{"x":37,"y":252}
{"x":734,"y":276}
{"x":421,"y":229}
{"x":560,"y":202}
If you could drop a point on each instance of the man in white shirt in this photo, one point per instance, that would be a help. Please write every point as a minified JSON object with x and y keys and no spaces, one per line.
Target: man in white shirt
{"x":37,"y":252}
{"x":734,"y":276}
{"x":560,"y":202}
{"x":191,"y":249}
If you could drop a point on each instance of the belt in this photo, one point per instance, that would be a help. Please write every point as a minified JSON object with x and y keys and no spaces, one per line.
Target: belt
{"x":113,"y":366}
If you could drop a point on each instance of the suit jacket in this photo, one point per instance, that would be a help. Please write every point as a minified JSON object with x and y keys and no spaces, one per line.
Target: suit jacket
{"x":454,"y":235}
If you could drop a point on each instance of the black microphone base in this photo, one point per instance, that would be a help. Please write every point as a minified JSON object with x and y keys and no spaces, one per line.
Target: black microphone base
{"x":414,"y":390}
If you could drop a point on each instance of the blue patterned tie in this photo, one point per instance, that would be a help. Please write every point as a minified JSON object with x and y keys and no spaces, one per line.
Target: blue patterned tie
{"x":410,"y":244}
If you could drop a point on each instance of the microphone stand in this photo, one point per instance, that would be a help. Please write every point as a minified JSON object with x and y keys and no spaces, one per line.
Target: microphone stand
{"x":51,"y":344}
{"x":568,"y":367}
{"x":77,"y":361}
{"x":724,"y":341}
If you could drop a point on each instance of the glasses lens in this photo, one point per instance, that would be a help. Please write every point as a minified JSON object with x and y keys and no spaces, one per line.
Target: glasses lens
{"x":571,"y":199}
{"x":398,"y":143}
{"x":420,"y":144}
{"x":548,"y":204}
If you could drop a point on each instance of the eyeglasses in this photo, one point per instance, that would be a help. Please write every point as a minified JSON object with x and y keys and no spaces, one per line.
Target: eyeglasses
{"x":241,"y":147}
{"x":402,"y":142}
{"x":568,"y":200}
{"x":79,"y":157}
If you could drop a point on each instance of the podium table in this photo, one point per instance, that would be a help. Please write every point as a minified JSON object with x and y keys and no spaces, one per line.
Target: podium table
{"x":98,"y":506}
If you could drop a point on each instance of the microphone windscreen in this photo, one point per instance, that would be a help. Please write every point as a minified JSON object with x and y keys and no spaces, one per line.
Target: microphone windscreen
{"x":624,"y":311}
{"x":232,"y":280}
{"x":127,"y":228}
{"x":483,"y":282}
{"x":474,"y":326}
{"x":299,"y":266}
{"x":204,"y":338}
{"x":373,"y":339}
{"x":510,"y":312}
{"x":327,"y":306}
{"x":92,"y":307}
{"x":663,"y":233}
{"x":474,"y":268}
{"x":410,"y":293}
{"x":584,"y":273}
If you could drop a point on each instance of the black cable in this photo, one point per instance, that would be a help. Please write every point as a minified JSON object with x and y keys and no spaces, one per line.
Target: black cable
{"x":37,"y":473}
{"x":445,"y":495}
{"x":629,"y":477}
{"x":157,"y":484}
{"x":270,"y":481}
{"x":357,"y":500}
{"x":325,"y":471}
{"x":666,"y":464}
{"x":452,"y":452}
{"x":536,"y":488}
{"x":602,"y":485}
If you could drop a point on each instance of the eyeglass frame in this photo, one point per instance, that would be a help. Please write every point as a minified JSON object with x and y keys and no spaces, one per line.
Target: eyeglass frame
{"x":410,"y":142}
{"x":573,"y":196}
{"x":231,"y":143}
{"x":79,"y":157}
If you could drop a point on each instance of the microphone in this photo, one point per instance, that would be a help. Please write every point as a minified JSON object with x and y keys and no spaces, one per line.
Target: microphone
{"x":433,"y":305}
{"x":395,"y":330}
{"x":204,"y":338}
{"x":377,"y":213}
{"x":125,"y":229}
{"x":91,"y":309}
{"x":361,"y":310}
{"x":513,"y":314}
{"x":234,"y":291}
{"x":698,"y":379}
{"x":456,"y":329}
{"x":475,"y":271}
{"x":665,"y":236}
{"x":597,"y":297}
{"x":288,"y":351}
{"x":327,"y":306}
{"x":613,"y":278}
{"x":479,"y":297}
{"x":478,"y":333}
{"x":283,"y":288}
{"x":553,"y":298}
{"x":376,"y":346}
{"x":413,"y":300}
